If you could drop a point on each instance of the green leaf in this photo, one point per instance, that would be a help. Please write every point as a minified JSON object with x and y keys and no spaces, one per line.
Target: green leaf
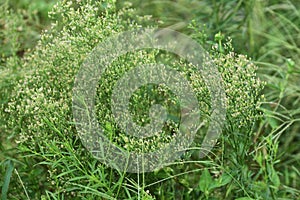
{"x":221,"y":181}
{"x":205,"y":181}
{"x":224,"y":180}
{"x":272,"y":122}
{"x":7,"y":177}
{"x":274,"y":177}
{"x":108,"y":127}
{"x":244,"y":198}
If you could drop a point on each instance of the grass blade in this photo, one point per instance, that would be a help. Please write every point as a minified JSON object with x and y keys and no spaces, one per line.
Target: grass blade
{"x":9,"y":169}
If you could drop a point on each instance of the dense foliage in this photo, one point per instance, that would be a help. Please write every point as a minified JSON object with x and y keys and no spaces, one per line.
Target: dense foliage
{"x":36,"y":111}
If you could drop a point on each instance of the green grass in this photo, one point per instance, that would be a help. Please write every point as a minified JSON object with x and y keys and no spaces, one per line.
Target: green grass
{"x":261,"y":162}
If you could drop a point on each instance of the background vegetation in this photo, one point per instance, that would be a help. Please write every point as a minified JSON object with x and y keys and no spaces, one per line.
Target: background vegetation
{"x":261,"y":162}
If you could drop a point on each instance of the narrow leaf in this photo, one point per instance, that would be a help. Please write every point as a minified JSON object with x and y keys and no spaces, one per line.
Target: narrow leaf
{"x":7,"y":176}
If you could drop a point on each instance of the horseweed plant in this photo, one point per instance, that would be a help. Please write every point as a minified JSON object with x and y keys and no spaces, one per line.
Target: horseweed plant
{"x":41,"y":107}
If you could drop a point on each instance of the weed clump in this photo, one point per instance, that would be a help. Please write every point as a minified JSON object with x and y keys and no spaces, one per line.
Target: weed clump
{"x":41,"y":107}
